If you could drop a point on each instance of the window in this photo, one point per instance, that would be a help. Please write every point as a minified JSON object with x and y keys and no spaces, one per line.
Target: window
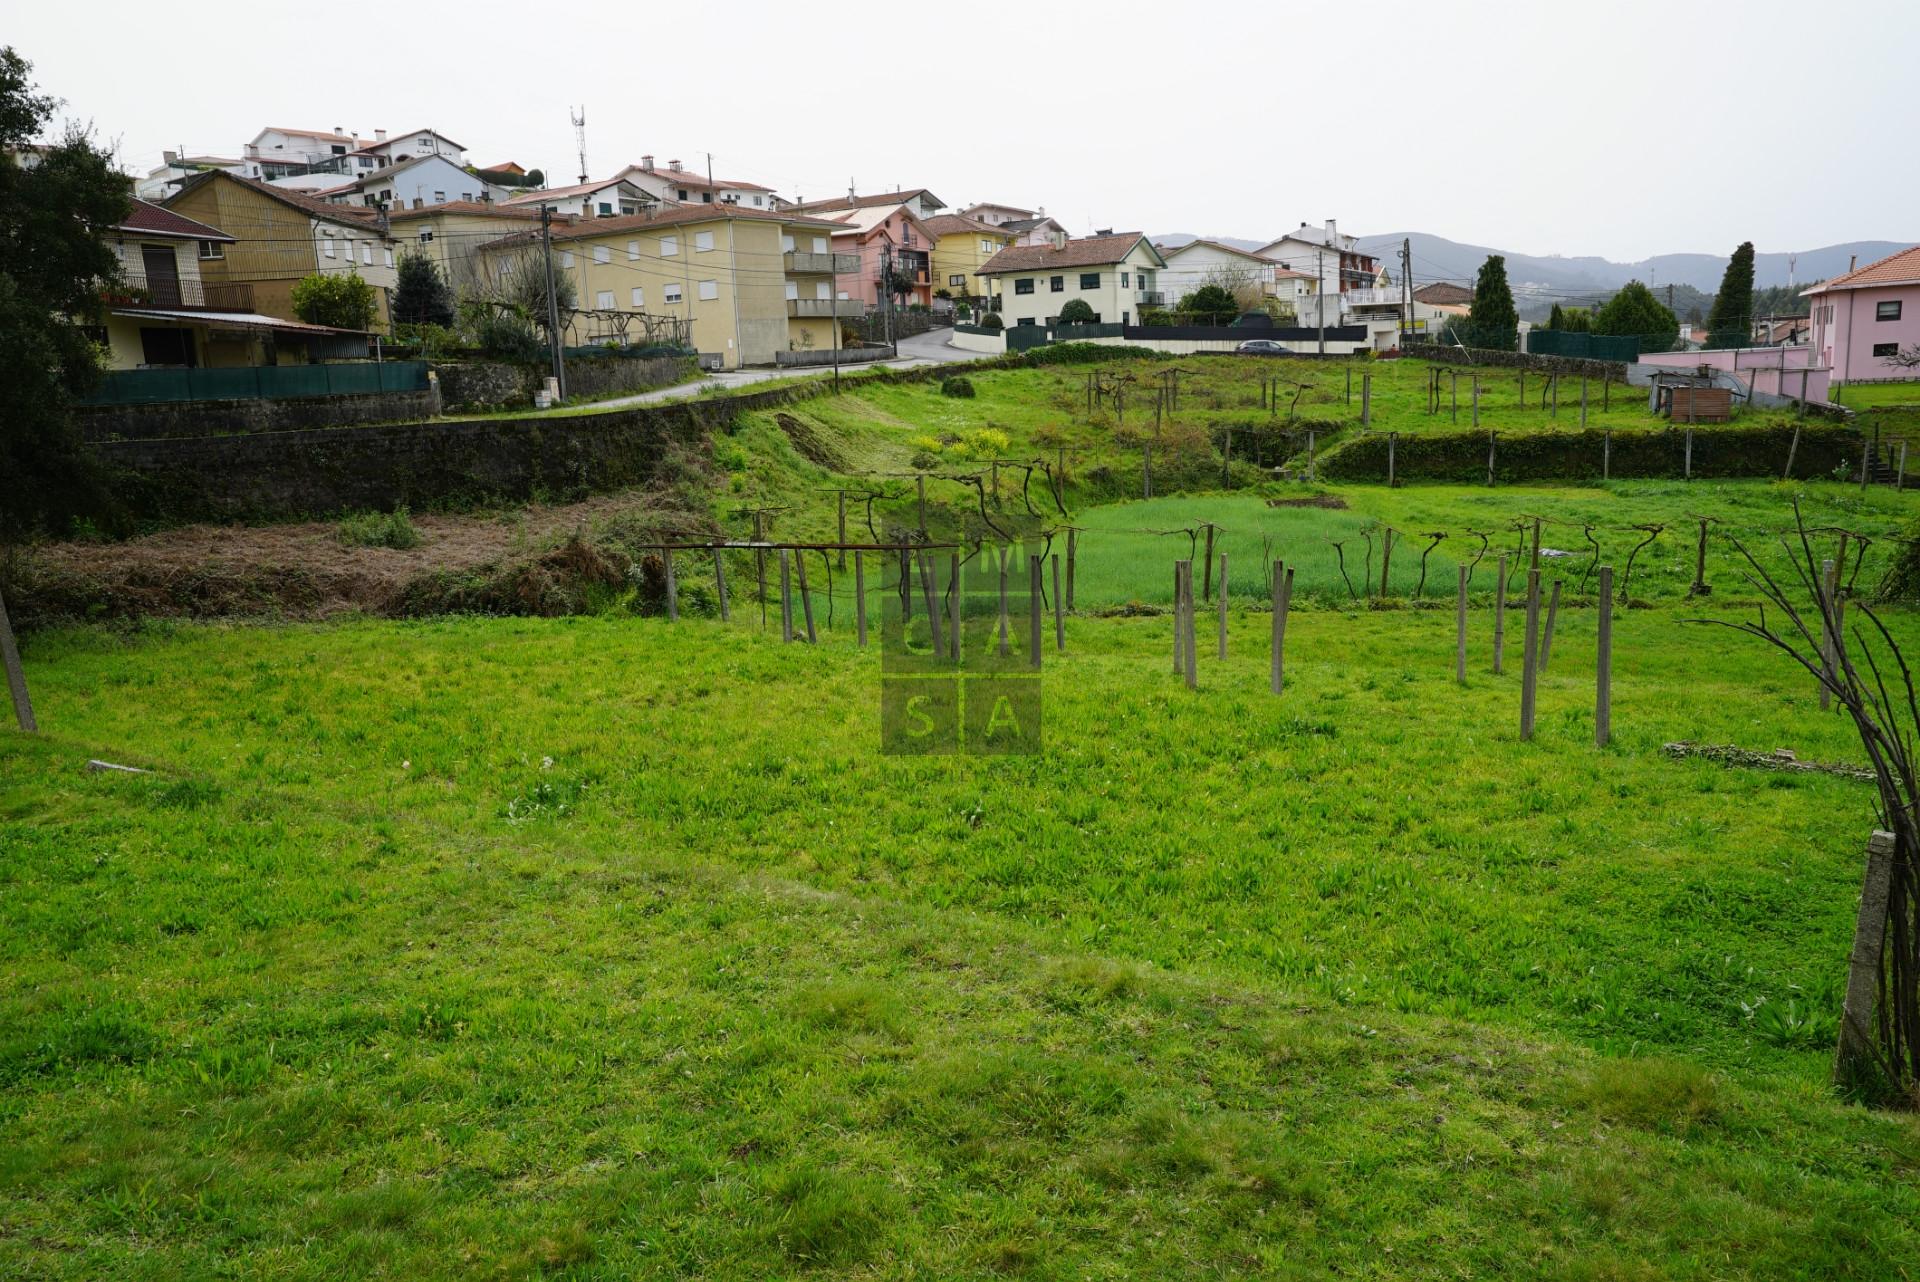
{"x":702,"y":241}
{"x":1025,"y":320}
{"x":709,"y":289}
{"x":956,"y":279}
{"x":822,"y":290}
{"x":439,"y":197}
{"x":388,"y":253}
{"x":211,"y":249}
{"x":366,"y":252}
{"x":683,"y":193}
{"x":786,"y":243}
{"x":466,"y":195}
{"x":669,"y":246}
{"x":1023,"y":286}
{"x":326,"y":246}
{"x":604,"y":300}
{"x":633,"y":251}
{"x":706,"y":198}
{"x":601,"y":254}
{"x":1886,"y":349}
{"x":1123,"y":281}
{"x":793,"y":289}
{"x":426,"y":237}
{"x":1886,"y":311}
{"x":673,"y":293}
{"x":756,"y":200}
{"x":566,"y":258}
{"x":1058,"y":284}
{"x":1089,"y":280}
{"x":819,"y":244}
{"x":987,"y":246}
{"x":639,"y":298}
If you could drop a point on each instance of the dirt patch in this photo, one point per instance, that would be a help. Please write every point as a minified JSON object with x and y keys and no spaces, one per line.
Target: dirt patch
{"x":532,"y":559}
{"x":1331,"y":502}
{"x":814,"y":446}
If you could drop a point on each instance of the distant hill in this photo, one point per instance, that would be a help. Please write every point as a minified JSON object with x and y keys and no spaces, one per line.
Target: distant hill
{"x":1436,"y":257}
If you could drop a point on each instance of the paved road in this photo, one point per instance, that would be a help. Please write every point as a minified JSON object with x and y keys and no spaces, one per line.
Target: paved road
{"x":922,"y":349}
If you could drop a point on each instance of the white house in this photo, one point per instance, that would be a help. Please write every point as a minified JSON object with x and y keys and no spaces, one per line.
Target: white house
{"x":998,"y":215}
{"x":606,"y":198}
{"x":417,"y":182}
{"x":1112,"y":274}
{"x":412,"y":145}
{"x":161,"y":181}
{"x":1332,"y":259}
{"x":673,"y":185}
{"x":1203,"y":262}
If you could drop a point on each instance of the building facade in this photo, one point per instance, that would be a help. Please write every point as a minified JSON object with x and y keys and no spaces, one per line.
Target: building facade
{"x":961,"y":247}
{"x":1864,"y":318}
{"x":1112,"y":274}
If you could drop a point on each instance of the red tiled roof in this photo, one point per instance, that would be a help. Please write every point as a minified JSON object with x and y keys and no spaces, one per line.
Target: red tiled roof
{"x":157,"y":220}
{"x":484,"y":208}
{"x":1899,"y":268}
{"x":577,"y":189}
{"x":343,"y":214}
{"x":1088,"y":252}
{"x":1443,"y":292}
{"x":960,"y":224}
{"x":681,"y":178}
{"x":867,"y":202}
{"x":670,"y":216}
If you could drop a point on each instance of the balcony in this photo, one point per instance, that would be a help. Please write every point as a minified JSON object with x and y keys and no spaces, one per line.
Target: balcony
{"x":1374,"y":298}
{"x":1150,"y":298}
{"x":809,"y":308}
{"x":137,"y":289}
{"x":801,"y":263}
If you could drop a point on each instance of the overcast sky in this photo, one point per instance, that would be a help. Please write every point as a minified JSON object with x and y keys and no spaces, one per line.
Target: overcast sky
{"x":1618,"y":129}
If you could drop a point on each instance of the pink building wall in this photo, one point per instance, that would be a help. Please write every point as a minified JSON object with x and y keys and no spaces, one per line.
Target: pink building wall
{"x":1775,"y":370}
{"x":1845,"y":330}
{"x":864,"y":285}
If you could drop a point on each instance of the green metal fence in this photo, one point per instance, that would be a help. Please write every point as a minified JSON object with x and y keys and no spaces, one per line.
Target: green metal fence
{"x":1592,"y":347}
{"x":1021,"y":338}
{"x":258,"y":382}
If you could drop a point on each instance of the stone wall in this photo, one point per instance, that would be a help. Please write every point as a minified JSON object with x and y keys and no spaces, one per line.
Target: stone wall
{"x":492,"y":385}
{"x":848,"y":356}
{"x":256,"y":414}
{"x":1578,"y":368}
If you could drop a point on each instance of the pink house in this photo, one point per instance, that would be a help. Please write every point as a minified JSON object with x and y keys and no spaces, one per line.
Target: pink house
{"x":876,"y":234}
{"x":1867,"y":315}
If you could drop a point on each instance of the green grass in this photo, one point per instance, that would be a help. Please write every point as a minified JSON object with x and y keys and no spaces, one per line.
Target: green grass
{"x":604,"y":948}
{"x":1860,"y":396}
{"x":393,"y":529}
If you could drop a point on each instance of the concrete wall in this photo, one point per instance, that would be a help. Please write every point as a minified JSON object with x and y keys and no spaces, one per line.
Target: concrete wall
{"x":1846,"y":329}
{"x":995,"y":343}
{"x":1777,"y":371}
{"x":240,"y":417}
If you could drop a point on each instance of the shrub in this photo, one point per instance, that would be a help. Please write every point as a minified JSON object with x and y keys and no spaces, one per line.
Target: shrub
{"x":1088,"y":353}
{"x":961,"y":387}
{"x":1077,"y":312}
{"x":393,"y":529}
{"x":340,"y":299}
{"x":992,"y":321}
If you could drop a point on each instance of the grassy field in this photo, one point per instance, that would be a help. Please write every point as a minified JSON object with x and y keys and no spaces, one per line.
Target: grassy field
{"x":600,"y":947}
{"x":1863,"y":396}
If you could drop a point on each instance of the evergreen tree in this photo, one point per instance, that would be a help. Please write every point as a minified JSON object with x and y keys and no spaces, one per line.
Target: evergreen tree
{"x":1556,"y":319}
{"x":1730,"y":323}
{"x":1634,"y":310}
{"x":340,"y":299}
{"x":53,"y":257}
{"x":1077,"y":312}
{"x":1492,"y":317}
{"x":421,"y":296}
{"x":1209,"y":305}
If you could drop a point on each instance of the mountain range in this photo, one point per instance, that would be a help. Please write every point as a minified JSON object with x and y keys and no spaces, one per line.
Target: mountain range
{"x":1437,"y":258}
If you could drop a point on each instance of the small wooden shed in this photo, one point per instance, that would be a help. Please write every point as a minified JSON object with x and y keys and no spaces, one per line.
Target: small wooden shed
{"x":1700,"y":404}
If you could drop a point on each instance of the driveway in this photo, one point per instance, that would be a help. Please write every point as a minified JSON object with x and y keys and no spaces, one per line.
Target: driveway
{"x":930,"y":348}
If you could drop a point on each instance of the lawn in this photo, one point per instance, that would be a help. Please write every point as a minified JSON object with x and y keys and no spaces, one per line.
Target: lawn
{"x":1864,"y":396}
{"x":602,"y":947}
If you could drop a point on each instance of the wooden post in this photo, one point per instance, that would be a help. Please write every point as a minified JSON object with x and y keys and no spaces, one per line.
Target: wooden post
{"x":1534,"y":562}
{"x":936,"y":630}
{"x":842,"y":494}
{"x":956,"y":600}
{"x":1523,"y":389}
{"x":1792,"y":449}
{"x":1553,"y":381}
{"x":760,"y":563}
{"x":1282,"y":592}
{"x":1146,"y":469}
{"x":1476,"y":400}
{"x":1606,"y":395}
{"x":1223,"y":605}
{"x":1900,"y":477}
{"x":1855,"y":1056}
{"x":1493,"y":442}
{"x":1546,"y":633}
{"x":1386,"y":557}
{"x":1071,"y":567}
{"x":906,"y":590}
{"x":859,"y":598}
{"x":1349,"y":373}
{"x":1460,"y":629}
{"x":720,"y":584}
{"x":1366,"y":400}
{"x":1393,"y":440}
{"x":1603,"y":666}
{"x":1829,"y":592}
{"x":1689,"y":473}
{"x":1309,"y":456}
{"x":1606,"y":455}
{"x":1191,"y":627}
{"x":1453,"y":389}
{"x":806,"y":598}
{"x":1035,"y":596}
{"x":673,"y":587}
{"x":1530,"y":656}
{"x":1005,"y":621}
{"x":16,"y":675}
{"x":1866,"y":452}
{"x":1500,"y":618}
{"x":1059,"y":609}
{"x":1206,"y":569}
{"x":920,"y":488}
{"x":1179,"y":633}
{"x":1699,"y":587}
{"x":786,"y":598}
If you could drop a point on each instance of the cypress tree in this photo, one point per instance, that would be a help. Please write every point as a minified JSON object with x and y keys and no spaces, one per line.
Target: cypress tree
{"x":1730,"y":323}
{"x":1557,"y":320}
{"x":1494,"y":321}
{"x":421,"y":297}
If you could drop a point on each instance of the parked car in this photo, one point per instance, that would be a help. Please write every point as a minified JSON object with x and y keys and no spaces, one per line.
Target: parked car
{"x":1263,"y":347}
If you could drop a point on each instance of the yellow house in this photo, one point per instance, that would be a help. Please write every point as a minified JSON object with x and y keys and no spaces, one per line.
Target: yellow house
{"x":282,"y":236}
{"x":961,"y":248}
{"x":752,"y":287}
{"x":452,"y":233}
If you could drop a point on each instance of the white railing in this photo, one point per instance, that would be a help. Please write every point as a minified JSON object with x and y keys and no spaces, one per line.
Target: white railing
{"x":1374,"y":298}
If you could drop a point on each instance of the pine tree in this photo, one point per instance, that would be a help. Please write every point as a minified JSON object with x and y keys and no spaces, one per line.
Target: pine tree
{"x":1492,"y":318}
{"x":1634,"y":310}
{"x":1557,"y":319}
{"x":421,"y":297}
{"x":1730,"y":323}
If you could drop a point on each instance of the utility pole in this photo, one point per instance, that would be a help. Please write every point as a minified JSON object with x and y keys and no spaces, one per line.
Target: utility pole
{"x":1406,"y":285}
{"x":553,"y":301}
{"x":886,"y":292}
{"x":1320,"y":283}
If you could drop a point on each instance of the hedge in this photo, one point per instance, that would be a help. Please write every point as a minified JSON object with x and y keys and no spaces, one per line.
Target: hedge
{"x":1577,"y":455}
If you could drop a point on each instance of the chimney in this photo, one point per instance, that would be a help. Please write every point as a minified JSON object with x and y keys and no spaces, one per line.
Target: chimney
{"x":646,"y":163}
{"x":169,"y":156}
{"x":1851,"y":260}
{"x":379,"y":135}
{"x":1333,"y":232}
{"x":337,"y":129}
{"x":673,"y":164}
